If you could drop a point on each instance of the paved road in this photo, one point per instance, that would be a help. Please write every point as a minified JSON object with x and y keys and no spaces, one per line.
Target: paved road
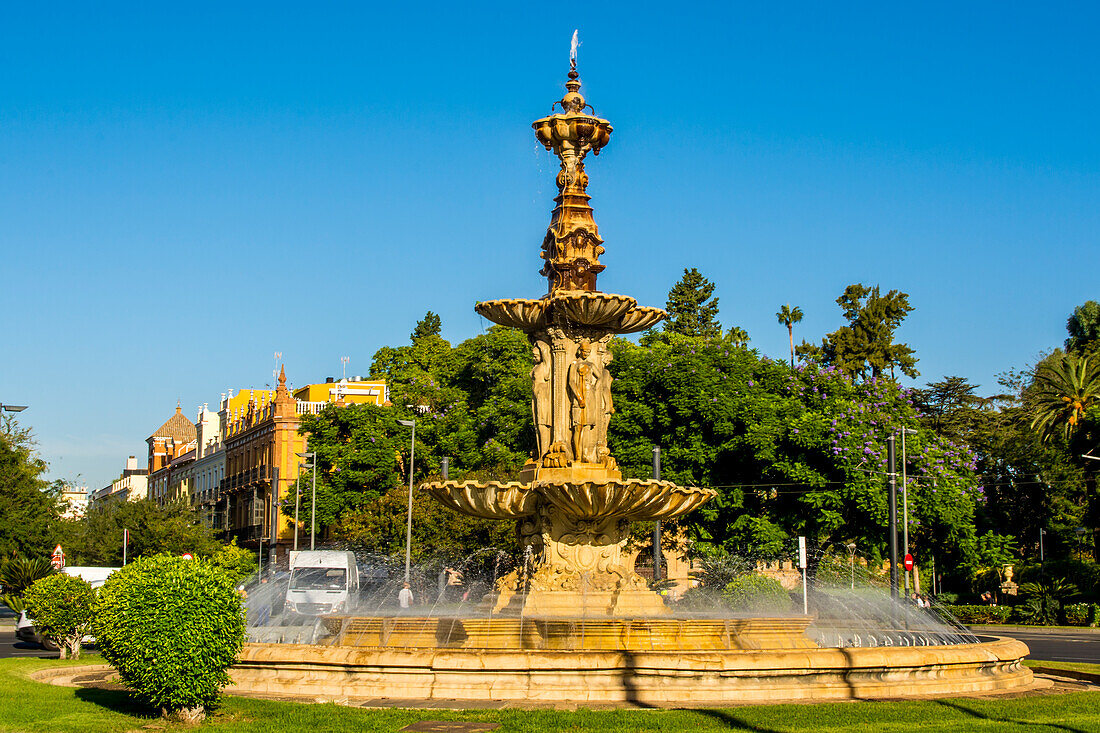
{"x":12,"y":647}
{"x":1056,"y":645}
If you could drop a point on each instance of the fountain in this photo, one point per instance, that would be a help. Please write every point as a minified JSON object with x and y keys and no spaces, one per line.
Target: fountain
{"x":573,"y":621}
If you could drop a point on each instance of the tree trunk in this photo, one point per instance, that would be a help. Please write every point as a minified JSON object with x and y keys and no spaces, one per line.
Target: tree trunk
{"x":790,"y":335}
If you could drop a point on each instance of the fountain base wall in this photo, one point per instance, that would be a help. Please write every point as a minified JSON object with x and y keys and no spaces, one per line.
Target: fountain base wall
{"x":659,"y":678}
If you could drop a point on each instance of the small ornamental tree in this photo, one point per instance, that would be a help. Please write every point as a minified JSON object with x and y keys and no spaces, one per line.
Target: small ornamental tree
{"x":171,"y":627}
{"x":62,"y":608}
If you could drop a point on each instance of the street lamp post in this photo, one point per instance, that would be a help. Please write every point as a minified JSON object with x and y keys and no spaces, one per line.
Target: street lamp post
{"x":657,"y":527}
{"x":892,"y":461}
{"x":851,"y":548}
{"x":312,"y":456}
{"x":409,"y":525}
{"x":297,"y":502}
{"x":905,"y":504}
{"x":12,"y":408}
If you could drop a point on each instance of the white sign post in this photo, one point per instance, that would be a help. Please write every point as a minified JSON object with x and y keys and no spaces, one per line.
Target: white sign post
{"x":802,"y":565}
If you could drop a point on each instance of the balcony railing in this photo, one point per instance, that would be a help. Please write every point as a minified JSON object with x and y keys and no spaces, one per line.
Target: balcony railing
{"x":243,"y":479}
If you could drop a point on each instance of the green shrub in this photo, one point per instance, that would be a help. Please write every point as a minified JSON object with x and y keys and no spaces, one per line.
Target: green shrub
{"x":19,"y":573}
{"x":62,"y":607}
{"x":979,"y":614}
{"x":752,"y":592}
{"x":237,"y":562}
{"x":171,"y":627}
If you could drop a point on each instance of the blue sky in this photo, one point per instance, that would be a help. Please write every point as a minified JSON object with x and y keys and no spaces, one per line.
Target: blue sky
{"x":186,"y":190}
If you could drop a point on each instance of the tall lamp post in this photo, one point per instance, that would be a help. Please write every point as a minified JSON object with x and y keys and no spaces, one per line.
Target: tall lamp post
{"x":657,"y":527}
{"x":12,"y":408}
{"x":851,"y":548}
{"x":905,"y":504}
{"x":312,"y":456}
{"x":893,"y":473}
{"x":409,"y":526}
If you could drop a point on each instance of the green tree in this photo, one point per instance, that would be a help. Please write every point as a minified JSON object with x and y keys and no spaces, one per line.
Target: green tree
{"x":429,"y":325}
{"x":236,"y":562}
{"x":62,"y":608}
{"x":737,"y":336}
{"x":1066,"y":389}
{"x":171,"y":627}
{"x":866,"y":344}
{"x":788,"y":317}
{"x":96,"y":539}
{"x":439,"y":534}
{"x":358,"y":458}
{"x":692,"y":307}
{"x":29,"y":508}
{"x":1084,"y":328}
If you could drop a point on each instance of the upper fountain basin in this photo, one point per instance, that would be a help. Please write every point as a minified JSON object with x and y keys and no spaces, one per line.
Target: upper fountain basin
{"x":556,"y":129}
{"x":616,"y":313}
{"x":632,"y":499}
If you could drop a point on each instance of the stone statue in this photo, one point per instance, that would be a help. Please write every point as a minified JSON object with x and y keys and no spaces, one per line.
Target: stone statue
{"x":541,"y":406}
{"x":584,"y":403}
{"x":603,"y":387}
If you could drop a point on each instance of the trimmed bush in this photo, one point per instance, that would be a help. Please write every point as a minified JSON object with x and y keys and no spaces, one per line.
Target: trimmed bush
{"x":1081,"y":614}
{"x":171,"y":627}
{"x":62,"y":607}
{"x":980,"y":614}
{"x":752,"y":592}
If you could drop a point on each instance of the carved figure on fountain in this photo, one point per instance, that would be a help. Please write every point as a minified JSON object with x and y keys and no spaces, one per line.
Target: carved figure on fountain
{"x":584,"y":401}
{"x":542,"y":408}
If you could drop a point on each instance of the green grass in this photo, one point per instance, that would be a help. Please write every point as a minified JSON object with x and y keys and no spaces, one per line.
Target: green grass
{"x":31,"y":706}
{"x":1072,"y":666}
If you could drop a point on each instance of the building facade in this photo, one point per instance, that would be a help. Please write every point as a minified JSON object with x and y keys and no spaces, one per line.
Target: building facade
{"x":132,"y":485}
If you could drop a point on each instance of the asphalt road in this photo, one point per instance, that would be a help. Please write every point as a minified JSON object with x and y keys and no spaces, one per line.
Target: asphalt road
{"x":1053,"y":645}
{"x":12,"y":647}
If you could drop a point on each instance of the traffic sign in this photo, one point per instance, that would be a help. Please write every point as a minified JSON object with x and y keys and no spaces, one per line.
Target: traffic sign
{"x":908,"y":562}
{"x":187,"y":556}
{"x":57,"y":559}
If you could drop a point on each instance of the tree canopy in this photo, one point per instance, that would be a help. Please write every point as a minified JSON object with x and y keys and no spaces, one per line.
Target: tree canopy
{"x":865,"y":347}
{"x":692,"y":307}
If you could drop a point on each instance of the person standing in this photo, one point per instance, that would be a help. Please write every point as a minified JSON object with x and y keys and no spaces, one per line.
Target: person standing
{"x":405,"y":597}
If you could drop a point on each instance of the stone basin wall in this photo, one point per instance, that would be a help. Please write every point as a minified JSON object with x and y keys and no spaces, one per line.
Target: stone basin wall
{"x":638,"y":678}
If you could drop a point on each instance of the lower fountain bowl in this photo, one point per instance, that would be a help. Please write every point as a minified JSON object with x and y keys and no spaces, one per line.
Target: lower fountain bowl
{"x":427,"y":673}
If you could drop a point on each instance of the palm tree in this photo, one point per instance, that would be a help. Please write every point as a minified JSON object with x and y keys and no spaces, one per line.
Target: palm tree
{"x":1065,"y":388}
{"x":737,"y":336}
{"x":788,"y":317}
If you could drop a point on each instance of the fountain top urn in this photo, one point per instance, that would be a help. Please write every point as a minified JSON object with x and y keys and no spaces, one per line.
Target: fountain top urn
{"x":573,"y":507}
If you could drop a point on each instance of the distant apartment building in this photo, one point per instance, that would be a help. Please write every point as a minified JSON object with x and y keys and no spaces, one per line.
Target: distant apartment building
{"x":74,"y":502}
{"x":132,"y":485}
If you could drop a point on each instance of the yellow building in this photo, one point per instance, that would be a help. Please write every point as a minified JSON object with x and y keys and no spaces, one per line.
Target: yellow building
{"x":261,"y":441}
{"x":354,"y":391}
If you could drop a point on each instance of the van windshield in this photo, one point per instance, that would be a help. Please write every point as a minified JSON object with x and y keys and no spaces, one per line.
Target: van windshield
{"x":318,"y":579}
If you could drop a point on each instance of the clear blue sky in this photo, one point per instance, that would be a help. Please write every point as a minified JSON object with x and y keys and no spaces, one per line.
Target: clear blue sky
{"x":187,"y":188}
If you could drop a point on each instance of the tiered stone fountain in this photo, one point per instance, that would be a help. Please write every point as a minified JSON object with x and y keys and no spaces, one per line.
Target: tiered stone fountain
{"x":575,"y":623}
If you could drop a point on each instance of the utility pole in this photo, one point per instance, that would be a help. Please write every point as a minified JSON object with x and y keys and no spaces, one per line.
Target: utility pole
{"x":891,"y":459}
{"x":657,"y":526}
{"x":905,"y":503}
{"x":409,"y":527}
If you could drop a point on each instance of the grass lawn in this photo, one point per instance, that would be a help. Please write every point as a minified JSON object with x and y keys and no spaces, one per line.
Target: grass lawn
{"x":26,"y":705}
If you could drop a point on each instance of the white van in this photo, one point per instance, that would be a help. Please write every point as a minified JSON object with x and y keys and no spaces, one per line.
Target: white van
{"x":25,"y":629}
{"x":322,"y":582}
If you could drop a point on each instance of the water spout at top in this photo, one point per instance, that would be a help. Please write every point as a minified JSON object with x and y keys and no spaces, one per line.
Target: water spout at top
{"x":573,"y":51}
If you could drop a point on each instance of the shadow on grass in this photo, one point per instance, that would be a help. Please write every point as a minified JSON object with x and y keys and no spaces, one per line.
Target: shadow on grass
{"x":119,"y":701}
{"x":731,"y":721}
{"x":982,"y":716}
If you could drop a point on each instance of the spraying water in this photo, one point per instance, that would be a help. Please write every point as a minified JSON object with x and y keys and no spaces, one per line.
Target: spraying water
{"x":573,"y":50}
